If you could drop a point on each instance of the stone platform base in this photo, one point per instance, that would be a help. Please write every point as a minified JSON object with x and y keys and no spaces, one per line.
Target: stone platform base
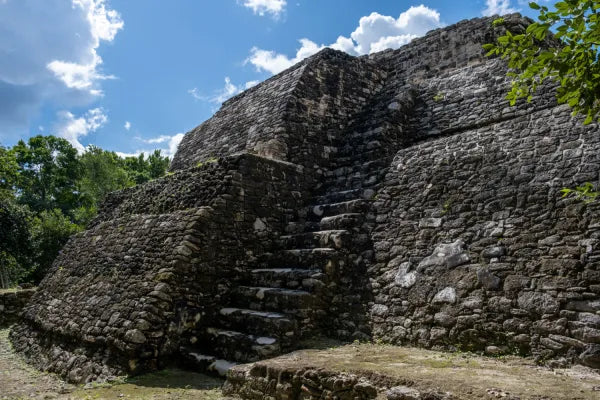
{"x":370,"y":371}
{"x":11,"y":303}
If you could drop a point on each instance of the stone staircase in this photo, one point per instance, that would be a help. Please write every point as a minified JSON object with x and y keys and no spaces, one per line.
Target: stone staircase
{"x":302,"y":287}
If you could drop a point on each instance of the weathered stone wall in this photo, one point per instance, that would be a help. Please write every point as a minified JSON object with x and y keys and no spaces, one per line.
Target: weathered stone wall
{"x":126,"y":293}
{"x":297,"y":117}
{"x":476,"y":249}
{"x":11,"y":304}
{"x":243,"y":121}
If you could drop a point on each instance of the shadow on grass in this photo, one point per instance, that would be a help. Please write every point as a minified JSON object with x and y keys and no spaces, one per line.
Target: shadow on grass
{"x":176,"y":379}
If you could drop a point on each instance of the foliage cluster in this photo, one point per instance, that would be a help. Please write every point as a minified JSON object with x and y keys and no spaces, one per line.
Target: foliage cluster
{"x":48,"y":192}
{"x":561,"y":46}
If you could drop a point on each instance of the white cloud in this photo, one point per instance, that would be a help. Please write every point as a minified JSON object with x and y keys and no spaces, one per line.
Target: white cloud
{"x":83,"y":74}
{"x":127,"y":125}
{"x":374,"y":33}
{"x":270,"y":61}
{"x":499,"y":7}
{"x":169,"y":148}
{"x":229,"y":90}
{"x":196,"y":94}
{"x":71,"y":128}
{"x":49,"y":54}
{"x":262,"y":7}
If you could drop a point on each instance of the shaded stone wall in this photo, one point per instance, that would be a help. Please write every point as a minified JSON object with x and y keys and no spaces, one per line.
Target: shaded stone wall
{"x":11,"y":304}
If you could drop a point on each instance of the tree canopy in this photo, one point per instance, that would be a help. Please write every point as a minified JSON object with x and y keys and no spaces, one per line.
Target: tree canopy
{"x":562,"y":46}
{"x":48,"y":192}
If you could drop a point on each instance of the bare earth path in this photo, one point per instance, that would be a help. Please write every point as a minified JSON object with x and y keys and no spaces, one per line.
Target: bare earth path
{"x":20,"y":381}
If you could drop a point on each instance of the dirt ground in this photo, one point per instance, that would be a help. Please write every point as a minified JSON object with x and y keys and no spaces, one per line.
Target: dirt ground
{"x":20,"y":381}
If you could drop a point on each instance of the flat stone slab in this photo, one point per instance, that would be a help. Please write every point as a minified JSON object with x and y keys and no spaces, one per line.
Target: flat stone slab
{"x":371,"y":371}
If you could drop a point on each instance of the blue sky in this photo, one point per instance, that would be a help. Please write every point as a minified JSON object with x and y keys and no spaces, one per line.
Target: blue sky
{"x":135,"y":75}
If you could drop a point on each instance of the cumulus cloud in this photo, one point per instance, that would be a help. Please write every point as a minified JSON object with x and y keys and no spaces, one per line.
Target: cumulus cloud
{"x":375,"y":32}
{"x":127,"y":125}
{"x":499,"y":7}
{"x":270,"y":61}
{"x":83,"y":73}
{"x":229,"y":90}
{"x":74,"y":128}
{"x":262,"y":7}
{"x":168,"y":146}
{"x":55,"y":62}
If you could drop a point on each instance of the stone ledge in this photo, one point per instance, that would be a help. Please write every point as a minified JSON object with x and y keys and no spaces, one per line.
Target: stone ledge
{"x":369,"y":371}
{"x":11,"y":303}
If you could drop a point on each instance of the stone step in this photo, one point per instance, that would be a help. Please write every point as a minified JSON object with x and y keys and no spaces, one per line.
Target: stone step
{"x":342,"y":221}
{"x":295,"y":227}
{"x":200,"y":362}
{"x":238,"y":346}
{"x":289,"y":278}
{"x":355,"y":181}
{"x":298,"y":303}
{"x":259,"y":323}
{"x":335,"y":239}
{"x":308,"y":258}
{"x":364,"y":168}
{"x":340,"y":196}
{"x":344,"y":207}
{"x":359,"y":154}
{"x":355,"y":137}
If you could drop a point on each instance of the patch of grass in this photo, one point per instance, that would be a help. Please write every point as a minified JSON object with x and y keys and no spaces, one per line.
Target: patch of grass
{"x":166,"y":384}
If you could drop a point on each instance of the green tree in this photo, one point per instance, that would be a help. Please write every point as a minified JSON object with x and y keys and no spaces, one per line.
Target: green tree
{"x":15,"y":243}
{"x":102,"y":172}
{"x":9,"y":171}
{"x":141,"y":169}
{"x":157,"y":164}
{"x":48,"y":173}
{"x":561,"y":46}
{"x":50,"y":230}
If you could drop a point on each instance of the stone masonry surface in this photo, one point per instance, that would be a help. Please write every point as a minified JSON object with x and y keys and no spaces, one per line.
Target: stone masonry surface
{"x":394,"y":197}
{"x":11,"y":304}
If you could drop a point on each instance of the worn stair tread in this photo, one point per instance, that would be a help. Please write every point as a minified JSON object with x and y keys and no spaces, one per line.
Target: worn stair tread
{"x":290,"y":301}
{"x":290,"y":292}
{"x":342,"y":207}
{"x":239,"y":346}
{"x":326,"y":250}
{"x":346,"y":221}
{"x":305,"y":258}
{"x":205,"y":362}
{"x":338,"y":196}
{"x":322,"y":232}
{"x":259,"y":340}
{"x":333,"y":238}
{"x":259,"y":323}
{"x":290,"y":278}
{"x":245,"y":311}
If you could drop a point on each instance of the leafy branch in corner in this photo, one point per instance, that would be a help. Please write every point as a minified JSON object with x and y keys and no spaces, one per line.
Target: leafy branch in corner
{"x":563,"y":46}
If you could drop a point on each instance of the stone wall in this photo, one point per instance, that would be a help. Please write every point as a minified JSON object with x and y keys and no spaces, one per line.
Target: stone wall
{"x":126,"y":293}
{"x":476,"y":248}
{"x":11,"y":304}
{"x":296,"y":117}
